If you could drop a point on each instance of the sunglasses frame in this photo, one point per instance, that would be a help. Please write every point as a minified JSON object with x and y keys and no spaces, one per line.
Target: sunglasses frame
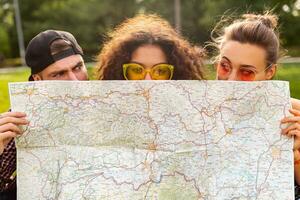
{"x":126,"y":65}
{"x":269,"y":66}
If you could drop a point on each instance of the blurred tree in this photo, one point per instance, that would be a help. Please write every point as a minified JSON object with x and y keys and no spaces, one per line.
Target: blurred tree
{"x":287,"y":10}
{"x":89,"y":20}
{"x":7,"y":23}
{"x":290,"y":25}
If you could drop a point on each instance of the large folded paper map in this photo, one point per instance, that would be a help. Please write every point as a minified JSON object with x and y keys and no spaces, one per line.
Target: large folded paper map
{"x":205,"y":140}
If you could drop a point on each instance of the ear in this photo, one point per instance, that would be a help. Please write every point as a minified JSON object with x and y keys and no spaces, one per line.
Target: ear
{"x":36,"y":77}
{"x":270,"y":73}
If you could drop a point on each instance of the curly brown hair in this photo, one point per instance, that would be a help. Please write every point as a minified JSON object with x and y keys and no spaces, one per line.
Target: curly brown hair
{"x":148,"y":29}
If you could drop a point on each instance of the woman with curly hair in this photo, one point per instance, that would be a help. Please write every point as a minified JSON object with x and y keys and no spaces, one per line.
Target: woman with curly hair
{"x":147,"y":47}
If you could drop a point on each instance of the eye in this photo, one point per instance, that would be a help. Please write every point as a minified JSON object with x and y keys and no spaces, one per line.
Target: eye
{"x":161,"y":71}
{"x":137,"y":70}
{"x":223,"y":69}
{"x":247,"y":72}
{"x":77,"y":67}
{"x":57,"y":75}
{"x":246,"y":75}
{"x":225,"y":66}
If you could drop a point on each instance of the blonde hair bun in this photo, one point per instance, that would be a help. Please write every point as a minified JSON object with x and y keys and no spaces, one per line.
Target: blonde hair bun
{"x":269,"y":20}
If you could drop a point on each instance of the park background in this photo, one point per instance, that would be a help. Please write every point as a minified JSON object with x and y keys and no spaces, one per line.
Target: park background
{"x":90,"y":20}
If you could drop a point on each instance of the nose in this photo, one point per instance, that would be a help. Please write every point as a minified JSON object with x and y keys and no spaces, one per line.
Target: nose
{"x":233,"y":76}
{"x":148,"y":77}
{"x":72,"y":76}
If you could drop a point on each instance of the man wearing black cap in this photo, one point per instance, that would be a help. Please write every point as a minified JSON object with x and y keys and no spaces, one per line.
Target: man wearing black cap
{"x":51,"y":55}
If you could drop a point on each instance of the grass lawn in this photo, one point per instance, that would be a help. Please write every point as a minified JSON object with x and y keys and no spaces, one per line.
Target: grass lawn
{"x":291,"y":73}
{"x":4,"y":79}
{"x":288,"y":72}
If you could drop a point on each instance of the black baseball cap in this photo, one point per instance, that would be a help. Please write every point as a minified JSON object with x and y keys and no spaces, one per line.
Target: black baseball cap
{"x":38,"y":54}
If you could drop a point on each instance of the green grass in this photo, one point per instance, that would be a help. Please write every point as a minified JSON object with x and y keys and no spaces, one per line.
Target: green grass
{"x":4,"y":79}
{"x":291,"y":73}
{"x":288,"y":72}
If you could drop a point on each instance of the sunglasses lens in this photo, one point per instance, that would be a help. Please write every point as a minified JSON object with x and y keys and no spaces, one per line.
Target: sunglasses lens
{"x":162,"y":72}
{"x":225,"y":72}
{"x":246,"y":75}
{"x":135,"y":72}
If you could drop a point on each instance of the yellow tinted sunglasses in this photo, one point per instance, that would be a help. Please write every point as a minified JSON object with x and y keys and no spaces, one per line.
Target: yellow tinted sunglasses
{"x":135,"y":71}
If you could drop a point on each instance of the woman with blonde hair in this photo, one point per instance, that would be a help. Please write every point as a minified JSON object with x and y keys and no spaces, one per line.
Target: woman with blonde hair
{"x":248,"y":50}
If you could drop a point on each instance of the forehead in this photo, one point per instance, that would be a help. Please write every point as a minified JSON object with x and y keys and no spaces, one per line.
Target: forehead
{"x":64,"y":64}
{"x":148,"y":55}
{"x":244,"y":53}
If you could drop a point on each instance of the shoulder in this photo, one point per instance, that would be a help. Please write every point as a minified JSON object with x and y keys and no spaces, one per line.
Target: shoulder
{"x":295,"y":103}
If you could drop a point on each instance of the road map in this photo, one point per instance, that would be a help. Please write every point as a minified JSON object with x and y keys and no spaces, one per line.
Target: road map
{"x":204,"y":140}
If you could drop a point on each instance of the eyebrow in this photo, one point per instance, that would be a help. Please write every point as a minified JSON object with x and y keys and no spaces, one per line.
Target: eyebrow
{"x":226,"y":59}
{"x":79,"y":63}
{"x":242,"y":65}
{"x":57,"y":72}
{"x":151,"y":66}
